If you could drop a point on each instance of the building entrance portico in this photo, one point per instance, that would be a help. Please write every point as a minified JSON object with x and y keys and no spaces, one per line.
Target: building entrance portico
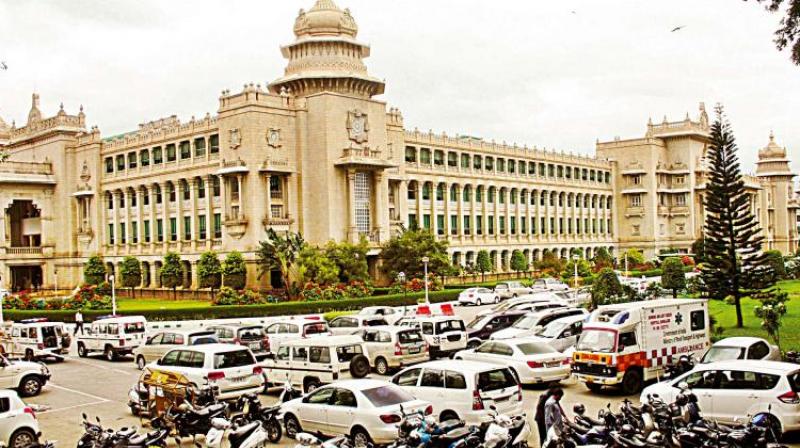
{"x":26,"y":277}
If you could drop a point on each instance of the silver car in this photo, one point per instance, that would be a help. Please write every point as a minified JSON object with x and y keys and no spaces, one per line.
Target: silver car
{"x":389,"y":347}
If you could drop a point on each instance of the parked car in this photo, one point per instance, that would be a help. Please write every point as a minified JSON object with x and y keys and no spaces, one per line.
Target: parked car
{"x":532,"y":361}
{"x":732,"y":390}
{"x":562,"y":334}
{"x":28,"y":378}
{"x":112,"y":336}
{"x":549,"y":284}
{"x":157,"y":345}
{"x":507,"y":290}
{"x":37,"y":339}
{"x":464,"y":389}
{"x":532,"y":323}
{"x":445,"y":335}
{"x":542,"y":296}
{"x":250,"y":336}
{"x":312,"y":362}
{"x":482,"y":327}
{"x":18,"y":425}
{"x":351,"y":324}
{"x":390,"y":347}
{"x":231,"y":367}
{"x":389,"y":313}
{"x":367,"y":410}
{"x":477,"y":296}
{"x":539,"y":306}
{"x":289,"y":328}
{"x":741,"y":347}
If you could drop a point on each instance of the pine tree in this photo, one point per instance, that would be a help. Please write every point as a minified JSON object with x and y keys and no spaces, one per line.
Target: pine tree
{"x":733,"y":257}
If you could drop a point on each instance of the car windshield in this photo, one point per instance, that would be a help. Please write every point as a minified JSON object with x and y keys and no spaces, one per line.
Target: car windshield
{"x":251,"y":333}
{"x":532,"y":348}
{"x":387,"y":396}
{"x":526,"y":322}
{"x":134,"y":327}
{"x":477,"y":322}
{"x":449,"y":325}
{"x":347,"y":352}
{"x":317,"y":328}
{"x":596,"y":341}
{"x":228,"y":360}
{"x":721,"y":353}
{"x":552,"y":330}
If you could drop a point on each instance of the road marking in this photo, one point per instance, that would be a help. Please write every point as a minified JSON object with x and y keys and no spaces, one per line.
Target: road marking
{"x":94,"y":397}
{"x":98,"y":366}
{"x":74,"y":407}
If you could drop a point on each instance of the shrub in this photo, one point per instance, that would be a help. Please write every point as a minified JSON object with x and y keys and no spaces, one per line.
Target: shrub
{"x":234,"y":271}
{"x":87,"y":298}
{"x":229,"y":296}
{"x":94,"y":271}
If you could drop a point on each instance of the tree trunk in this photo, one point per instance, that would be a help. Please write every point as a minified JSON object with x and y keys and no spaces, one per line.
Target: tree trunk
{"x":674,"y":293}
{"x":737,"y":301}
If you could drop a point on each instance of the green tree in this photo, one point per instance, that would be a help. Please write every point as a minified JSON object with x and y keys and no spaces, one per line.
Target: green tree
{"x":483,"y":264}
{"x":351,"y":260}
{"x":131,"y":272}
{"x":602,"y":259}
{"x":699,"y":250}
{"x":171,"y":272}
{"x":584,"y":269}
{"x":673,"y":276}
{"x":735,"y":264}
{"x":788,"y":35}
{"x":606,"y":288}
{"x":634,"y":257}
{"x":209,"y":271}
{"x":94,"y":271}
{"x":550,"y":261}
{"x":404,"y":253}
{"x":775,"y":261}
{"x":279,"y":253}
{"x":519,"y":262}
{"x":314,"y":265}
{"x":771,"y":311}
{"x":234,"y":271}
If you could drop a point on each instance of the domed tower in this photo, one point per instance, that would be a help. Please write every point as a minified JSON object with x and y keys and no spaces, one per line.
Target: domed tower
{"x":776,"y":178}
{"x":326,"y":56}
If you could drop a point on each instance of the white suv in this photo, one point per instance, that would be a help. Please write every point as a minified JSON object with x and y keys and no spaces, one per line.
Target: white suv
{"x":27,"y":377}
{"x":18,"y":425}
{"x":289,"y":329}
{"x":730,"y":390}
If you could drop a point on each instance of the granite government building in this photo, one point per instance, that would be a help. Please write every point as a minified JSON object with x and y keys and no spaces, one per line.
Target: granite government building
{"x":317,"y":152}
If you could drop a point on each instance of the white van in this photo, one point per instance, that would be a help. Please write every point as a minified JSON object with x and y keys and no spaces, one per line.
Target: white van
{"x":113,"y":336}
{"x":445,"y":335}
{"x":36,"y":339}
{"x":463,"y":389}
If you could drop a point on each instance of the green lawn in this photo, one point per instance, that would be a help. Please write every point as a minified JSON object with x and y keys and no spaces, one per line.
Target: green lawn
{"x":157,"y":304}
{"x":790,"y":331}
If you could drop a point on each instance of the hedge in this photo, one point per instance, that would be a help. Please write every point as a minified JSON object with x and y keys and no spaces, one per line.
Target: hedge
{"x":232,"y":311}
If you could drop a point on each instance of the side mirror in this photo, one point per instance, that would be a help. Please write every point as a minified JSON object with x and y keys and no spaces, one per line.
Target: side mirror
{"x":620,"y":348}
{"x":566,"y":334}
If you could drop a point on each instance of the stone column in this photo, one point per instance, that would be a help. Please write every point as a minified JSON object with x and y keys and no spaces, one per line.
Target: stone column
{"x":351,"y":192}
{"x":242,"y":213}
{"x":460,"y":212}
{"x":223,"y":194}
{"x":195,"y":277}
{"x":286,"y":196}
{"x":179,"y":210}
{"x":140,"y":222}
{"x":165,"y":213}
{"x":155,"y":279}
{"x":401,"y":199}
{"x":209,"y":207}
{"x":381,"y":203}
{"x":269,"y":197}
{"x":420,"y":187}
{"x":447,"y":210}
{"x":195,"y":191}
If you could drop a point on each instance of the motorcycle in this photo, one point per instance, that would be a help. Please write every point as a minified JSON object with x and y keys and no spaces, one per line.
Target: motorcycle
{"x":189,"y":421}
{"x":251,"y":435}
{"x":95,"y":436}
{"x":507,"y":432}
{"x":253,"y":411}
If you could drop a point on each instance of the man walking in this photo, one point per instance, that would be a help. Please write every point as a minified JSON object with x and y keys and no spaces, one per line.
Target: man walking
{"x":553,"y":414}
{"x":78,"y":322}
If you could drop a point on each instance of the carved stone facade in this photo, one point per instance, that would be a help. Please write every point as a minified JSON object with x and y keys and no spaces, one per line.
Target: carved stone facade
{"x":314,"y":152}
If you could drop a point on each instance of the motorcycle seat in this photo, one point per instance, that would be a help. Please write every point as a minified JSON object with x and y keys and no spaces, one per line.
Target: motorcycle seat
{"x":126,"y":432}
{"x":449,"y":424}
{"x":271,"y":410}
{"x":452,"y":436}
{"x":241,"y":434}
{"x":213,"y":409}
{"x":138,"y":439}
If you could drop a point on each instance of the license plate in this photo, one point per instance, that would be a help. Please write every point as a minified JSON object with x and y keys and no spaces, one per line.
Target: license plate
{"x":413,"y":350}
{"x":238,"y":379}
{"x":552,"y":364}
{"x":255,"y":346}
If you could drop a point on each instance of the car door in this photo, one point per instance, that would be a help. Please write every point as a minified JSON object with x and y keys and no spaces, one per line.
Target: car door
{"x":7,"y":421}
{"x":409,"y":380}
{"x":568,"y":337}
{"x":7,"y":373}
{"x":148,"y":350}
{"x":372,"y":344}
{"x":313,"y":411}
{"x":735,"y":393}
{"x":431,"y":385}
{"x":702,"y":383}
{"x":341,"y":411}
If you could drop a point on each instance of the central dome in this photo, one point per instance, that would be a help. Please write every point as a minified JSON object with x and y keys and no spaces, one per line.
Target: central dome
{"x":772,"y":150}
{"x":325,"y":18}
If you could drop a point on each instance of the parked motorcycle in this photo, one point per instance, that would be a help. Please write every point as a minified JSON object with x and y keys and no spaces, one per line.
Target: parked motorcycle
{"x":189,"y":421}
{"x":251,"y":435}
{"x":253,"y":411}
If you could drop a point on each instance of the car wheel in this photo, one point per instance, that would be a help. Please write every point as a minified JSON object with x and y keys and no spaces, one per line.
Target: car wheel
{"x":381,"y":366}
{"x":360,"y":438}
{"x":774,"y":432}
{"x":292,"y":426}
{"x":310,"y":386}
{"x":632,"y":382}
{"x":594,"y":387}
{"x":497,"y":300}
{"x":359,"y":366}
{"x":140,"y":362}
{"x":109,"y":354}
{"x":23,"y":438}
{"x":82,"y":350}
{"x":478,"y":302}
{"x":30,"y":386}
{"x":473,"y":344}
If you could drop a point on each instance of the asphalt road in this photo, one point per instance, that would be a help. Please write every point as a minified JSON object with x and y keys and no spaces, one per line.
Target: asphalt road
{"x":100,"y":388}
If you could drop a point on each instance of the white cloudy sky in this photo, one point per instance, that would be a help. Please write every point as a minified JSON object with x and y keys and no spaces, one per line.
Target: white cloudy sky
{"x":523,"y":71}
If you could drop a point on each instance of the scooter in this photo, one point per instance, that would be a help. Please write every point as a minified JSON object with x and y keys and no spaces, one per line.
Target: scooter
{"x":507,"y":432}
{"x":251,"y":435}
{"x":252,"y":411}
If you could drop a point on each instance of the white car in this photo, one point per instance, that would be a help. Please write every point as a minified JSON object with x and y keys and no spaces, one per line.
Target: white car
{"x":539,"y":306}
{"x":18,"y":425}
{"x":445,"y":335}
{"x":550,"y":284}
{"x":289,"y":329}
{"x":157,"y":345}
{"x":561,"y":334}
{"x":477,"y":296}
{"x":112,"y":336}
{"x":532,"y":361}
{"x":231,"y":367}
{"x":28,"y":378}
{"x":352,"y":324}
{"x":532,"y":323}
{"x":368,"y":410}
{"x":464,"y":389}
{"x":542,"y":296}
{"x":741,"y":347}
{"x":510,"y":290}
{"x":390,"y":314}
{"x":733,"y":390}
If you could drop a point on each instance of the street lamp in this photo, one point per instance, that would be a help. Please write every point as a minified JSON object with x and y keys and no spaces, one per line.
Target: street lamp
{"x":425,"y":261}
{"x":575,"y":258}
{"x":401,"y":279}
{"x":55,"y":274}
{"x":113,"y":295}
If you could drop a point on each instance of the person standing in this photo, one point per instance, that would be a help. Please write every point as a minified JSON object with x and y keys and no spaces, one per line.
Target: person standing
{"x":538,"y":416}
{"x":553,"y":414}
{"x":78,"y":322}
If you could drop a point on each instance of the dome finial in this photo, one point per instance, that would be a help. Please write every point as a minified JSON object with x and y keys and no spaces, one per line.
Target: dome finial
{"x":771,"y":136}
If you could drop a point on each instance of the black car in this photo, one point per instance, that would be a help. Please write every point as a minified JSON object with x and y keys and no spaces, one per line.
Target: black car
{"x":485,"y":325}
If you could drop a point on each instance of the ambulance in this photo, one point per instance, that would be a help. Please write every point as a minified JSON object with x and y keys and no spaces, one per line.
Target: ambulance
{"x":627,"y":344}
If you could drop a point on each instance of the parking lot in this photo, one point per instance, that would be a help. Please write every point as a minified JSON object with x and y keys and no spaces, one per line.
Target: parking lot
{"x":100,"y":388}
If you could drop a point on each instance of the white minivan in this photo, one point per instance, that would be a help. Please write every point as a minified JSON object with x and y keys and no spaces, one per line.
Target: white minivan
{"x":445,"y":335}
{"x":463,"y":389}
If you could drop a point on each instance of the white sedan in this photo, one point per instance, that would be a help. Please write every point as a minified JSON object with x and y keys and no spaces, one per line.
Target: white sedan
{"x":477,"y":296}
{"x":741,"y":347}
{"x":367,"y":410}
{"x":534,"y":362}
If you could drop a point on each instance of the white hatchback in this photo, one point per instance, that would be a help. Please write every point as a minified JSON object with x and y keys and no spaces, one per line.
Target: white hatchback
{"x":532,"y":361}
{"x":367,"y":410}
{"x":18,"y":425}
{"x":231,"y":367}
{"x":732,"y":390}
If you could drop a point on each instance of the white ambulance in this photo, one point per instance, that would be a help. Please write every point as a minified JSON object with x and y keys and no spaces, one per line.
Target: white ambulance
{"x":627,"y":344}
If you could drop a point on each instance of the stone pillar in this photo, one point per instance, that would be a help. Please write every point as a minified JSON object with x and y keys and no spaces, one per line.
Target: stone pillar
{"x":351,"y":206}
{"x":420,"y":187}
{"x":401,"y":200}
{"x":239,"y":182}
{"x":447,"y":210}
{"x":194,"y":185}
{"x":165,"y":213}
{"x":195,"y":277}
{"x":209,"y":207}
{"x":155,"y":280}
{"x":223,"y":194}
{"x":460,"y":212}
{"x":286,"y":196}
{"x":141,"y":214}
{"x":269,"y":197}
{"x":381,"y":204}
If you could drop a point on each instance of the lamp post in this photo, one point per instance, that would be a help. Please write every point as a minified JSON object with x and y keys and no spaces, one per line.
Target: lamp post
{"x":575,"y":258}
{"x":55,"y":274}
{"x":425,"y":261}
{"x":401,"y":279}
{"x":113,"y":296}
{"x":626,"y":265}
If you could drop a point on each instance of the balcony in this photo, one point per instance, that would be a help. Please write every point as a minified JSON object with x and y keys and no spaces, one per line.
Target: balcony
{"x":364,"y":158}
{"x":634,"y":211}
{"x":35,"y":250}
{"x":276,"y":165}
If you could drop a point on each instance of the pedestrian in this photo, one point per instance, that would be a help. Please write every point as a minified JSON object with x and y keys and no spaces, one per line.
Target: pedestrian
{"x":553,"y":414}
{"x":78,"y":322}
{"x":538,"y":416}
